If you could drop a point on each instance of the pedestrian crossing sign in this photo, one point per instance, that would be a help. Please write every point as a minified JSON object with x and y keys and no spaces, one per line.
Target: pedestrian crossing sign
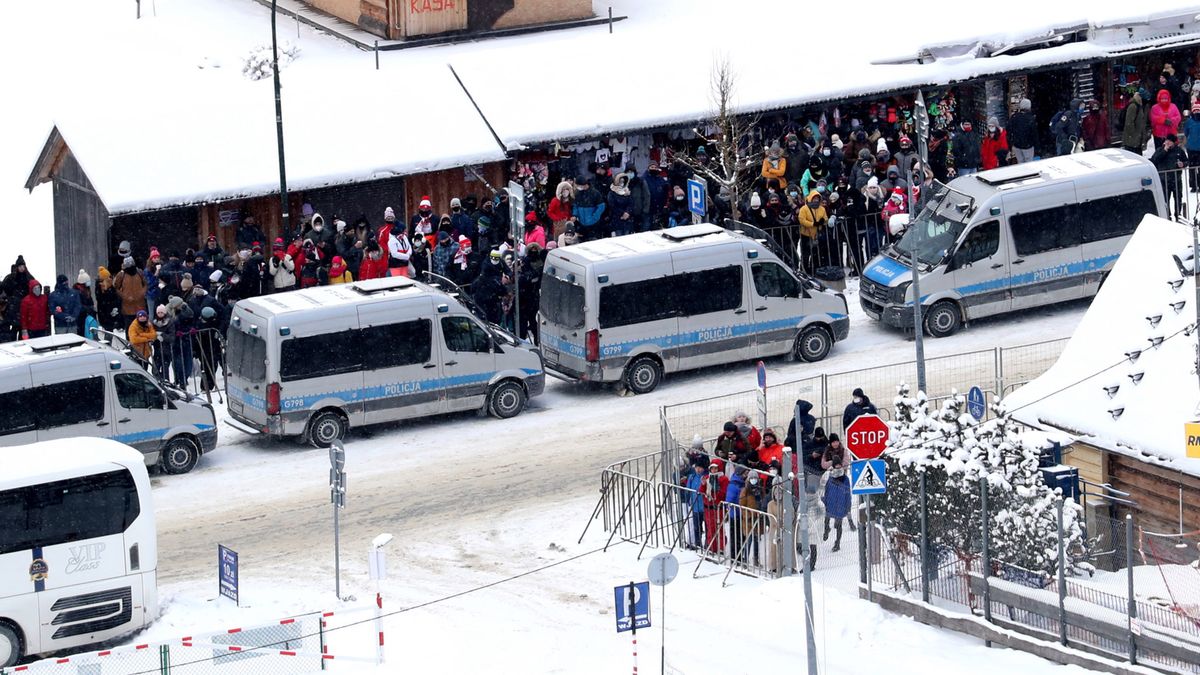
{"x":868,"y":477}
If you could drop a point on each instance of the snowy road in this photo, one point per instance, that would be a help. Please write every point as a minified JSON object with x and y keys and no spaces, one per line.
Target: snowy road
{"x":424,"y":480}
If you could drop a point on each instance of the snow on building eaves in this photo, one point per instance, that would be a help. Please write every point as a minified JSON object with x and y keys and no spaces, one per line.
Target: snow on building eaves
{"x":1126,"y":381}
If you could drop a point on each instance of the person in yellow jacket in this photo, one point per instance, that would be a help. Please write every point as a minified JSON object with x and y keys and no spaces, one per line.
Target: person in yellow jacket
{"x":774,"y":166}
{"x":813,"y":220}
{"x":141,"y":334}
{"x":339,"y":272}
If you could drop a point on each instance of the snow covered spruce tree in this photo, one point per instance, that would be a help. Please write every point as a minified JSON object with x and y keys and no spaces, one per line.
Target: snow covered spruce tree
{"x":955,"y":452}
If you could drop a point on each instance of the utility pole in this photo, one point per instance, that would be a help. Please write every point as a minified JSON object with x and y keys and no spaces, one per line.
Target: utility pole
{"x":921,"y":118}
{"x":285,"y":226}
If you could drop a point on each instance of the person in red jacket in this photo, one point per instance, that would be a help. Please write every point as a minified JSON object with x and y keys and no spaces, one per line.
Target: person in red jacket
{"x":373,"y":265}
{"x":559,"y":210}
{"x":994,"y":149}
{"x":713,"y":488}
{"x":35,"y":313}
{"x":771,"y":450}
{"x":1095,"y":127}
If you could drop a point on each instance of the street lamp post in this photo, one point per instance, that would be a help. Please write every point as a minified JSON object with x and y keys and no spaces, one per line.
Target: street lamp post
{"x":283,"y":195}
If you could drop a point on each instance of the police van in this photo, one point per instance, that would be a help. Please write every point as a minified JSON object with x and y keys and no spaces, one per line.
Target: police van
{"x":65,"y":385}
{"x":1013,"y":238}
{"x":314,"y":362}
{"x":629,"y":309}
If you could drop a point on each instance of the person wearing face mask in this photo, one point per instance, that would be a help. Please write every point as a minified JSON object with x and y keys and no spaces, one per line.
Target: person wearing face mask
{"x":321,"y":235}
{"x":939,"y":154}
{"x":816,"y":171}
{"x":211,"y":253}
{"x":1165,"y":118}
{"x":1095,"y":127}
{"x":965,"y":149}
{"x":620,"y":206}
{"x":695,"y":502}
{"x":774,"y":165}
{"x":678,"y":213}
{"x":559,"y":210}
{"x":796,"y":155}
{"x":131,"y":286}
{"x":994,"y":149}
{"x":422,"y":223}
{"x":373,"y":265}
{"x":859,"y":405}
{"x":659,"y":189}
{"x":831,"y":158}
{"x":588,"y":207}
{"x":712,"y":491}
{"x":488,"y":289}
{"x":812,"y":220}
{"x":905,"y":156}
{"x":35,"y":312}
{"x":836,"y":499}
{"x":1067,"y":127}
{"x":752,"y":527}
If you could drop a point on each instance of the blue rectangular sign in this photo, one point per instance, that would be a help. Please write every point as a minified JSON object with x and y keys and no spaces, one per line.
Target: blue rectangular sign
{"x":697,"y":195}
{"x":640,"y":603}
{"x":868,"y":477}
{"x":227,"y":572}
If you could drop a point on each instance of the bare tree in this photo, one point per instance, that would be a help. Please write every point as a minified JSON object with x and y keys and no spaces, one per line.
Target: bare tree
{"x":735,"y":163}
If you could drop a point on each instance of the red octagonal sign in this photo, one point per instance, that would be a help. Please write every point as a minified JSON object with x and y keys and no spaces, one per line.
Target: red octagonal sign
{"x":867,"y":436}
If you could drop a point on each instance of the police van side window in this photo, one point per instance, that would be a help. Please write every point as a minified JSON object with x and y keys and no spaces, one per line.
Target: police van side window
{"x":464,"y":335}
{"x":637,"y":302}
{"x":773,"y":281}
{"x":137,"y":392}
{"x":706,"y":291}
{"x":320,"y":355}
{"x":397,"y":344}
{"x":66,"y":403}
{"x":982,"y":242}
{"x":1115,"y":216}
{"x":20,"y":413}
{"x":1046,"y":230}
{"x":67,"y":510}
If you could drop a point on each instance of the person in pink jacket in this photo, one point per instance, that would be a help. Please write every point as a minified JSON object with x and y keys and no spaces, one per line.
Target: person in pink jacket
{"x":534,"y":232}
{"x":1164,"y":118}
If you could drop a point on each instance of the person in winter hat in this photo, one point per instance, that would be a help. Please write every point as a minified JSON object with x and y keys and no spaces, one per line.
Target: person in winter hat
{"x":141,"y":334}
{"x":108,"y":302}
{"x":1191,"y":129}
{"x":1067,"y":127}
{"x":712,"y":492}
{"x":1135,"y":126}
{"x":1022,"y":132}
{"x":589,"y":205}
{"x":620,"y":206}
{"x":249,"y":232}
{"x":131,"y":285}
{"x":836,"y":461}
{"x":461,"y":220}
{"x":860,"y":404}
{"x":16,"y":284}
{"x":422,"y":223}
{"x":465,"y":266}
{"x":64,"y":306}
{"x":1095,"y":128}
{"x":339,"y":272}
{"x":693,"y":480}
{"x":442,"y":258}
{"x":1169,"y":160}
{"x":116,"y":261}
{"x":281,"y":267}
{"x":813,"y":220}
{"x":1165,"y":118}
{"x":83,"y":284}
{"x":559,"y":210}
{"x":488,"y":289}
{"x":774,"y":165}
{"x":966,"y":149}
{"x":994,"y":149}
{"x":395,"y":244}
{"x":35,"y":312}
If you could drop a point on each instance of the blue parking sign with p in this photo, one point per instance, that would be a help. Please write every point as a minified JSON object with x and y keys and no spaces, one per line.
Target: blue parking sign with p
{"x":697,"y":196}
{"x":639,"y":604}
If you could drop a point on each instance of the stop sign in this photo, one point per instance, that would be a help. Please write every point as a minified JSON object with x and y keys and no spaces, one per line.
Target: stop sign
{"x":867,"y":436}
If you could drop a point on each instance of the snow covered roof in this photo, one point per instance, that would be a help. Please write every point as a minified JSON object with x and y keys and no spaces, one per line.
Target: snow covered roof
{"x":50,"y":460}
{"x":1138,"y":331}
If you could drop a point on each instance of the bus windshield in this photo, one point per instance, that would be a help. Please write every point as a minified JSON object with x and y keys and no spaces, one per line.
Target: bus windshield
{"x":932,"y":234}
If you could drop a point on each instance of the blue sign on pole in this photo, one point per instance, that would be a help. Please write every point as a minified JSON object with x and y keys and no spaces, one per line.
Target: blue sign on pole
{"x":868,"y":477}
{"x":640,"y":604}
{"x":227,"y":572}
{"x":976,"y":405}
{"x":697,"y":193}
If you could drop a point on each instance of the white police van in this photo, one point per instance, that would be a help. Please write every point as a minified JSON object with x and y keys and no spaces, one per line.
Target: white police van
{"x":629,"y":309}
{"x":65,"y":385}
{"x":314,"y":362}
{"x":1013,"y":238}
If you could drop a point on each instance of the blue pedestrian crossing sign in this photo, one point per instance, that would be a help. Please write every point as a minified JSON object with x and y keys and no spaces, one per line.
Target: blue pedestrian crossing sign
{"x":632,"y":612}
{"x":697,"y":196}
{"x":976,"y":405}
{"x":868,"y":477}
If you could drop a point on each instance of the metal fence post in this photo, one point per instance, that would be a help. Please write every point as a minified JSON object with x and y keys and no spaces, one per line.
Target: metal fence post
{"x":1132,"y":603}
{"x":863,"y":574}
{"x":1062,"y":578}
{"x":787,"y":527}
{"x":987,"y":555}
{"x":164,"y":659}
{"x":824,"y":397}
{"x":924,"y":542}
{"x":1000,"y":372}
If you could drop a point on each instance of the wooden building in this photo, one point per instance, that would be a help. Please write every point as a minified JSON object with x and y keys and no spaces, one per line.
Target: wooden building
{"x":400,"y":19}
{"x":1128,"y":419}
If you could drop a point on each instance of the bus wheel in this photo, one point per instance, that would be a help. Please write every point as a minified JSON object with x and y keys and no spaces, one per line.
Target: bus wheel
{"x":506,"y":400}
{"x":814,"y":343}
{"x":10,"y":646}
{"x":326,"y":427}
{"x":180,"y":455}
{"x":643,"y":375}
{"x":942,"y":320}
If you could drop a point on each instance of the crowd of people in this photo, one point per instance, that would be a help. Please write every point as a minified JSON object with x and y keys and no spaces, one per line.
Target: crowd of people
{"x":744,"y":478}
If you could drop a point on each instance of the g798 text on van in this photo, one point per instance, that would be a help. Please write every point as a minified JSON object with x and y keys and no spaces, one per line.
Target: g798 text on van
{"x":1013,"y":238}
{"x":629,"y":309}
{"x":314,"y":362}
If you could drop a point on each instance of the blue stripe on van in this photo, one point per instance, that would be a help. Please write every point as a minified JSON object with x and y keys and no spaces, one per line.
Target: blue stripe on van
{"x":1074,"y":269}
{"x":247,"y":399}
{"x":681,"y":339}
{"x":153,"y":434}
{"x":389,"y":390}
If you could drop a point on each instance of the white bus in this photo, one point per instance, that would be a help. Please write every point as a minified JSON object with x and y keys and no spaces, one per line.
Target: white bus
{"x":78,"y":548}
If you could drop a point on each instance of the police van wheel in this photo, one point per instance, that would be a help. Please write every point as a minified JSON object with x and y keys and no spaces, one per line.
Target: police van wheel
{"x":942,"y":320}
{"x":325,"y":428}
{"x":180,"y":456}
{"x":813,"y":344}
{"x":506,"y":400}
{"x":643,"y":375}
{"x":10,"y":646}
